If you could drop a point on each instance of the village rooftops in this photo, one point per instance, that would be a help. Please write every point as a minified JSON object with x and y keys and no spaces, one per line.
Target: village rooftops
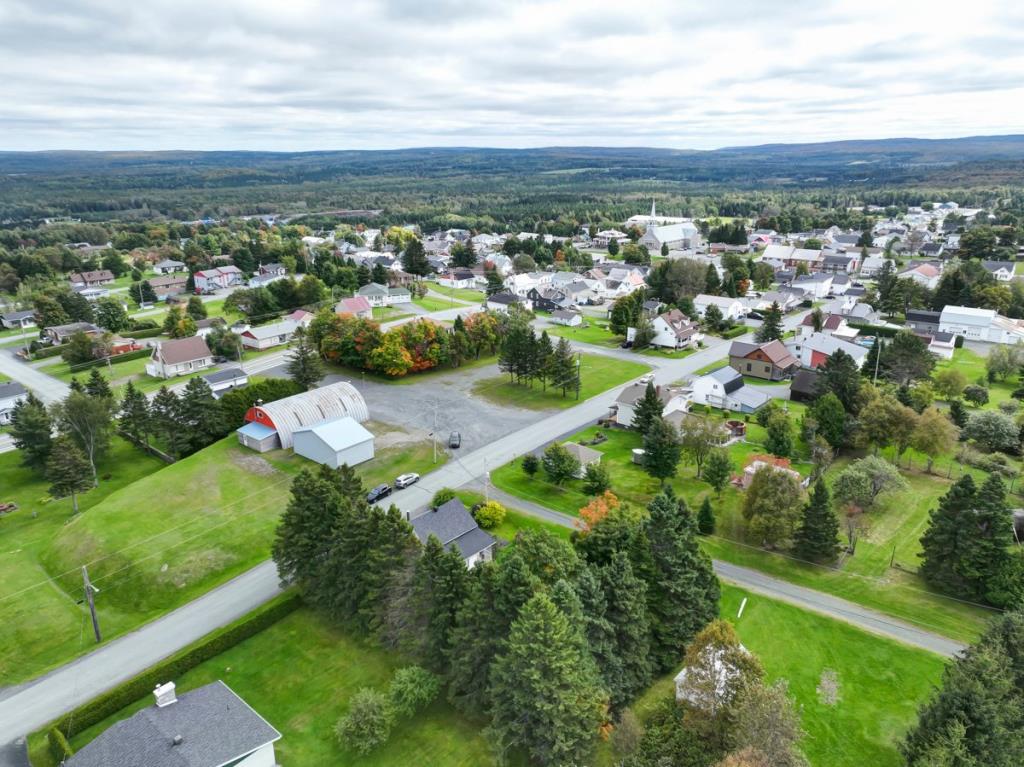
{"x":454,"y":526}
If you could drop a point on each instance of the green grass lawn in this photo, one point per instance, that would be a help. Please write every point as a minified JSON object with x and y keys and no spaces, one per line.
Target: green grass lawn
{"x":893,"y":531}
{"x":299,"y":675}
{"x":390,"y":313}
{"x":514,"y":520}
{"x":712,"y":366}
{"x":671,"y":354}
{"x":42,"y":625}
{"x":972,"y":365}
{"x":592,"y":332}
{"x":881,"y":682}
{"x":464,"y":294}
{"x":158,"y":542}
{"x":432,"y":304}
{"x":597,"y":373}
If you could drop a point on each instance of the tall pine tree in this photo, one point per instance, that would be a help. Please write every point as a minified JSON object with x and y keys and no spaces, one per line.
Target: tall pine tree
{"x":817,"y":539}
{"x":68,"y":470}
{"x":771,"y":326}
{"x":305,"y":533}
{"x":547,"y":698}
{"x":682,"y":590}
{"x":304,"y":365}
{"x":647,"y":409}
{"x":942,"y":544}
{"x":32,"y":431}
{"x":134,"y":414}
{"x":626,"y":612}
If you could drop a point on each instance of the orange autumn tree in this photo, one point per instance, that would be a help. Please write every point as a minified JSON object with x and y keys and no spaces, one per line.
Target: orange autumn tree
{"x":596,"y":510}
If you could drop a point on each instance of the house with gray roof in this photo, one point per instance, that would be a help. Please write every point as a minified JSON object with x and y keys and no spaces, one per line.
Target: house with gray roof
{"x":169,"y":266}
{"x":724,"y":388}
{"x":210,"y":726}
{"x":11,"y":393}
{"x":455,"y":527}
{"x":178,"y":357}
{"x":1001,"y":270}
{"x":23,"y":319}
{"x":261,"y":337}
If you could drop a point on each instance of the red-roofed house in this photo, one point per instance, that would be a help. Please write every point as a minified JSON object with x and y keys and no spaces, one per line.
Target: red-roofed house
{"x":357,"y":306}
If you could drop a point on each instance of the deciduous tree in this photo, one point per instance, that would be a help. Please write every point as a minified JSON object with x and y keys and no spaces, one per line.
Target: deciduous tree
{"x":771,"y":506}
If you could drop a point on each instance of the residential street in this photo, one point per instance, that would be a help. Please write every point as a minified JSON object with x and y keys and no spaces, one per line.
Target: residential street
{"x":32,"y":705}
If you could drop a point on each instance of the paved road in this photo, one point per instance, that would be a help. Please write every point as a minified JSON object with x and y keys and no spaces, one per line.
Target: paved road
{"x":36,"y":703}
{"x":758,"y":582}
{"x":46,"y":387}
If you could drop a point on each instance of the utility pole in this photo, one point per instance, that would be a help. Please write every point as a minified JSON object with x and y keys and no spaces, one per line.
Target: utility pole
{"x":90,"y":591}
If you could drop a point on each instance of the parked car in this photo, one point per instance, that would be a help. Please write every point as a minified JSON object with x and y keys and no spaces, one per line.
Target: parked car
{"x":404,"y":480}
{"x":626,"y":345}
{"x":381,"y":491}
{"x":755,"y":316}
{"x":454,"y":440}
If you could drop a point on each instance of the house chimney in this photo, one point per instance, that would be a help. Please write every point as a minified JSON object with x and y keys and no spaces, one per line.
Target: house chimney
{"x":178,"y":740}
{"x":164,"y":694}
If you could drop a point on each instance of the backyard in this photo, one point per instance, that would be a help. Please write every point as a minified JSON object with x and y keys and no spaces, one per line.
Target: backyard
{"x":597,"y":374}
{"x":461,"y":294}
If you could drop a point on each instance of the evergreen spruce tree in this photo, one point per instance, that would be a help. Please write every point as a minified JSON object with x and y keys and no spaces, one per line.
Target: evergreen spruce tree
{"x":771,"y":326}
{"x":942,"y":544}
{"x":682,"y":590}
{"x":958,"y":413}
{"x":414,"y":259}
{"x":817,"y":540}
{"x":134,"y":414}
{"x":662,"y":450}
{"x":165,"y":412}
{"x":712,"y":282}
{"x":706,"y":518}
{"x":545,"y":354}
{"x":988,"y":538}
{"x":647,"y":409}
{"x":563,"y":367}
{"x":196,"y":309}
{"x":304,"y":365}
{"x":474,"y":642}
{"x":546,"y":696}
{"x":199,"y":415}
{"x":839,"y":375}
{"x":305,"y":531}
{"x":626,"y":612}
{"x":441,"y":585}
{"x":97,"y":385}
{"x":32,"y":431}
{"x":68,"y":470}
{"x":976,"y":716}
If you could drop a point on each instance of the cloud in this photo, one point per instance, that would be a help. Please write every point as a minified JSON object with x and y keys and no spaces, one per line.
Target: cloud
{"x":312,"y":74}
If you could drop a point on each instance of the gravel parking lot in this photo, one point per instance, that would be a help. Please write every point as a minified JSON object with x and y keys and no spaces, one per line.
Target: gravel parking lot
{"x":412,"y":405}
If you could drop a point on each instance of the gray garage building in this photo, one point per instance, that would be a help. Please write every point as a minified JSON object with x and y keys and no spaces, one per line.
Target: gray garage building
{"x":334,"y":442}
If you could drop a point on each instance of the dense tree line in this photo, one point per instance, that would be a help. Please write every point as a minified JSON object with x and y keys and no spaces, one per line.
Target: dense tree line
{"x":548,"y":643}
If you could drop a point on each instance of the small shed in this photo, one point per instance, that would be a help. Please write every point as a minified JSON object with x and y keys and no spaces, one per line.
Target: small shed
{"x":335,"y":442}
{"x":256,"y":436}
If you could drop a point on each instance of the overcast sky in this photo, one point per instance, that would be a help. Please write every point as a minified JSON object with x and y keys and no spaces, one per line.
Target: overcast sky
{"x":302,"y":75}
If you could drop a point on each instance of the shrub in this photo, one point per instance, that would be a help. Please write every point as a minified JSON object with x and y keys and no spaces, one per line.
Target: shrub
{"x":441,"y":497}
{"x":109,"y":703}
{"x":142,"y":333}
{"x":976,"y":395}
{"x":993,"y":430}
{"x":368,"y":723}
{"x":596,"y":479}
{"x":59,"y":746}
{"x":530,"y":464}
{"x":489,"y":515}
{"x":413,"y":688}
{"x":1010,"y":407}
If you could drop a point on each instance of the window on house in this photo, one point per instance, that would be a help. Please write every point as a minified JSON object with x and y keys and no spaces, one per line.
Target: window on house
{"x":748,"y":367}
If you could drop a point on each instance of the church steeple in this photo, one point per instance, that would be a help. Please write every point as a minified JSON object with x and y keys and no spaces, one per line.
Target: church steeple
{"x":653,"y":213}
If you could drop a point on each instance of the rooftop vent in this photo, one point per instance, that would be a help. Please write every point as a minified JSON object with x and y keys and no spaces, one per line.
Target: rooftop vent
{"x":164,"y":694}
{"x":178,"y":740}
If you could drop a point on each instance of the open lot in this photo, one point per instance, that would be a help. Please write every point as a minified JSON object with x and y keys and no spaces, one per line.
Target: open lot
{"x":153,"y":539}
{"x":597,"y":374}
{"x":461,"y":294}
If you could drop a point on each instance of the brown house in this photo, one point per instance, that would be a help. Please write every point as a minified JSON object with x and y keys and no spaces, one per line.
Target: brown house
{"x":91,"y":279}
{"x":771,"y":361}
{"x":168,"y":285}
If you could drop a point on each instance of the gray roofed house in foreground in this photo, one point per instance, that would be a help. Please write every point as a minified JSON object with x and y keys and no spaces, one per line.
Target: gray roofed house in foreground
{"x":454,"y":526}
{"x":207,"y":727}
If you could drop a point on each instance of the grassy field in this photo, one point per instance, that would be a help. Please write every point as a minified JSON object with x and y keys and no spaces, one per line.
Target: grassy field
{"x":390,"y":313}
{"x":462,"y":294}
{"x":892,"y":531}
{"x":597,"y":374}
{"x":299,"y":675}
{"x":41,"y":623}
{"x":152,"y":544}
{"x":881,"y":682}
{"x":596,"y":333}
{"x":432,"y":304}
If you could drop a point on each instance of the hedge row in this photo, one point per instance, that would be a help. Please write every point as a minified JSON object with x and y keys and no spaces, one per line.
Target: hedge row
{"x":734,"y":332}
{"x":80,"y":366}
{"x":59,"y":746}
{"x":49,"y":351}
{"x":143,"y":333}
{"x":109,"y":703}
{"x":875,"y":330}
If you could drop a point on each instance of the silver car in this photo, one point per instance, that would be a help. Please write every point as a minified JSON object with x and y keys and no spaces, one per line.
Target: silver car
{"x":405,"y":480}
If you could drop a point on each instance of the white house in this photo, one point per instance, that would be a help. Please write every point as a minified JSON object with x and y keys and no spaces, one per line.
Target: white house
{"x":674,"y":330}
{"x":926,"y":275}
{"x":584,"y":455}
{"x":211,"y":280}
{"x":261,"y":337}
{"x":567,"y":317}
{"x":816,"y":286}
{"x":22,"y":319}
{"x":724,"y":388}
{"x":980,"y":325}
{"x":464,"y":279}
{"x":873,"y":265}
{"x":814,"y":350}
{"x":1001,"y":270}
{"x":673,"y":400}
{"x":178,"y":357}
{"x":831,"y":325}
{"x":357,"y":306}
{"x":381,"y":295}
{"x":205,"y":727}
{"x":221,"y":381}
{"x":11,"y":393}
{"x":731,"y":308}
{"x":169,"y":266}
{"x":455,"y":527}
{"x":335,"y":442}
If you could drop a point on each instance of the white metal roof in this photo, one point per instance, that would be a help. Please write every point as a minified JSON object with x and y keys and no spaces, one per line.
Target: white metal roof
{"x":311,"y":408}
{"x":339,"y":433}
{"x":967,"y":315}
